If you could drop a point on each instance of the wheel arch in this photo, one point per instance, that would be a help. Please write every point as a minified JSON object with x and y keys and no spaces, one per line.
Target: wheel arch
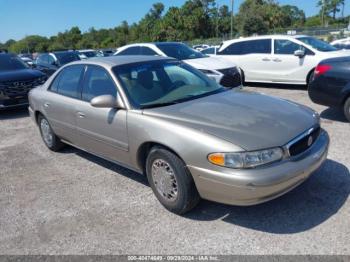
{"x":144,"y":150}
{"x":37,"y":113}
{"x":242,"y":76}
{"x":309,"y":75}
{"x":346,"y":97}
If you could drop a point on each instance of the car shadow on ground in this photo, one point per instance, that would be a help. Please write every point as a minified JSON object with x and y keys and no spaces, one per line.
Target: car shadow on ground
{"x":278,"y":86}
{"x":14,"y":113}
{"x":305,"y":207}
{"x":334,"y":114}
{"x":119,"y":170}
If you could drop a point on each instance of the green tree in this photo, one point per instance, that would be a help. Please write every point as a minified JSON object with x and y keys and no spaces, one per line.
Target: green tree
{"x":330,"y":7}
{"x":251,"y":18}
{"x":293,"y":15}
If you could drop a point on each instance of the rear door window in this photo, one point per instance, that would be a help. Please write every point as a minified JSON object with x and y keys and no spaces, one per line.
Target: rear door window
{"x":69,"y":80}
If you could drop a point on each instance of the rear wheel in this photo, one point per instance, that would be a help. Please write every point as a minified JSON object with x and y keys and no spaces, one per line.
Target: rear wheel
{"x":170,"y":181}
{"x":48,"y":136}
{"x":347,"y":109}
{"x":242,"y":77}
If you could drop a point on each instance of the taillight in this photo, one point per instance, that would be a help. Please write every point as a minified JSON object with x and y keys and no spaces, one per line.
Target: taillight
{"x":321,"y":69}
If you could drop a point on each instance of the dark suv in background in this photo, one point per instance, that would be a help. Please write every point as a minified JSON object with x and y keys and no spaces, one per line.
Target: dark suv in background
{"x":16,"y":80}
{"x":50,"y":62}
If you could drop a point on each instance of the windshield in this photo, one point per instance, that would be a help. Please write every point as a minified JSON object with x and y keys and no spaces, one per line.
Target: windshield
{"x":179,"y":51}
{"x":160,"y":83}
{"x":89,"y":53}
{"x":209,"y":51}
{"x":317,"y":44}
{"x":65,"y":58}
{"x":11,"y":62}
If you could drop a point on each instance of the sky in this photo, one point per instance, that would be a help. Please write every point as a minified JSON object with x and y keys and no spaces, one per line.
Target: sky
{"x":19,"y":18}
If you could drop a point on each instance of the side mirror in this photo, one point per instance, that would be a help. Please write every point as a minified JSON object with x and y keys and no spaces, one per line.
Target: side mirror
{"x":106,"y":101}
{"x":299,"y":53}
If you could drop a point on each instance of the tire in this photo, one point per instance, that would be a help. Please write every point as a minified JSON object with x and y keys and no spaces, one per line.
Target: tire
{"x":180,"y":194}
{"x":48,"y":136}
{"x":347,"y":109}
{"x":242,"y":77}
{"x":309,"y":79}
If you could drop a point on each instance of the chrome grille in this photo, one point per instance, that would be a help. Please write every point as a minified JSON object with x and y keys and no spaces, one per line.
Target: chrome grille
{"x":17,"y":88}
{"x":303,"y":142}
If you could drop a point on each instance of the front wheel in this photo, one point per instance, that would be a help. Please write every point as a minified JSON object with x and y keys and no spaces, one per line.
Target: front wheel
{"x":48,"y":136}
{"x":170,"y":181}
{"x":347,"y":109}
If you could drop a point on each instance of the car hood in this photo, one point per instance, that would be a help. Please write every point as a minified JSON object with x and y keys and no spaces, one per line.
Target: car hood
{"x":20,"y":75}
{"x":250,"y":120}
{"x":211,"y":63}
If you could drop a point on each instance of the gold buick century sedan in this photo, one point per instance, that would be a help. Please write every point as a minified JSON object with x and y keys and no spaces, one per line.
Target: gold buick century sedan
{"x":192,"y":137}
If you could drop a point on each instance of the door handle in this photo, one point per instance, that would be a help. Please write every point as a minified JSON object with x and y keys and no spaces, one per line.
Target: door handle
{"x":47,"y":105}
{"x":266,"y":59}
{"x":81,"y":115}
{"x":277,"y":60}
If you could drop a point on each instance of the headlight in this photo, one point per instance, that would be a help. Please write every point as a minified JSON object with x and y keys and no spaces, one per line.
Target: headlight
{"x":208,"y":72}
{"x":246,"y":159}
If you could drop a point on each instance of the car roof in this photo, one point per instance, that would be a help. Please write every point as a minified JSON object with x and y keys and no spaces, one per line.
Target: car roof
{"x":264,"y":37}
{"x":112,"y":61}
{"x":151,"y":43}
{"x":86,"y":50}
{"x":228,"y":42}
{"x":63,"y":52}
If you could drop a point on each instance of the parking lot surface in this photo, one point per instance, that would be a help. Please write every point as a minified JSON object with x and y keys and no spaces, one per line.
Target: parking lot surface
{"x":75,"y":203}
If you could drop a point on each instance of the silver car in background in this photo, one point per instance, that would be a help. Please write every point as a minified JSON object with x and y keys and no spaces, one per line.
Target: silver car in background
{"x":191,"y":137}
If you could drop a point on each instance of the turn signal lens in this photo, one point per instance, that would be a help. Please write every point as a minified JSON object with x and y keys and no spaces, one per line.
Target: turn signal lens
{"x":217,"y":159}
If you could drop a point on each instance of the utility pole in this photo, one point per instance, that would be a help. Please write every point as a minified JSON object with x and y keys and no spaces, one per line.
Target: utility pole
{"x":217,"y":20}
{"x":232,"y":19}
{"x":323,"y":10}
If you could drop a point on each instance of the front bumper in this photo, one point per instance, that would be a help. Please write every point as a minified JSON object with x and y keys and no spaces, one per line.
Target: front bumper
{"x":13,"y":102}
{"x":327,"y":92}
{"x":254,"y":186}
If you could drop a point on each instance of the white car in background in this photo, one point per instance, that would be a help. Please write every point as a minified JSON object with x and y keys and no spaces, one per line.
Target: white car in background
{"x":210,"y":51}
{"x":278,"y":58}
{"x":200,"y":47}
{"x":88,"y":53}
{"x":342,"y":43}
{"x":221,"y":70}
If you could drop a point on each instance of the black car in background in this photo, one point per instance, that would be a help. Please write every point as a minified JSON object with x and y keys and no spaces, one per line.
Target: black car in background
{"x":50,"y":62}
{"x":16,"y":80}
{"x":330,"y":85}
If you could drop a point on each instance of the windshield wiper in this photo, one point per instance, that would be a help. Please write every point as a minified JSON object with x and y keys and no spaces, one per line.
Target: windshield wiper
{"x":159,"y":105}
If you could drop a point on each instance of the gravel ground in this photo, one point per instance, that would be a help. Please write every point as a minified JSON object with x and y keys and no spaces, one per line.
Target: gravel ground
{"x":75,"y":203}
